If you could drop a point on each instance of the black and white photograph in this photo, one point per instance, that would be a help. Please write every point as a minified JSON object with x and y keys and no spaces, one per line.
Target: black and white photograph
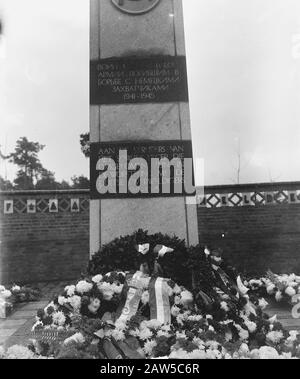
{"x":149,"y":182}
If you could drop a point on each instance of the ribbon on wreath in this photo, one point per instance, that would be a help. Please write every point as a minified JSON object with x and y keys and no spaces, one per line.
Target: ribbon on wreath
{"x":135,"y":285}
{"x":147,"y":279}
{"x":158,"y":298}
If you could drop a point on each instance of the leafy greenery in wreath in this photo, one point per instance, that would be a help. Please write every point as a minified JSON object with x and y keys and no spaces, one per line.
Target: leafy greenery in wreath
{"x":121,"y":254}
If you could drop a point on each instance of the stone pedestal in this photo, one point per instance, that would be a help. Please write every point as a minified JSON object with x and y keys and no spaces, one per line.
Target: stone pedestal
{"x":117,"y":34}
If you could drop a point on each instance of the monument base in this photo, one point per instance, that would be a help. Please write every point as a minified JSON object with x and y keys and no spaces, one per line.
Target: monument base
{"x":120,"y":217}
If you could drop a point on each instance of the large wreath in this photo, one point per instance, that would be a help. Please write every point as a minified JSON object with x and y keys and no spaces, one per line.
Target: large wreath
{"x":149,"y":296}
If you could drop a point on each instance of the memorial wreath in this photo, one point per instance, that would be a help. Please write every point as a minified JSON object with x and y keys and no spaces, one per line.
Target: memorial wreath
{"x":148,"y":296}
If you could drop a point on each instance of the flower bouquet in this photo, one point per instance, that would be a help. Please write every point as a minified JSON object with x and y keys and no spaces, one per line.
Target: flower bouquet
{"x":15,"y":295}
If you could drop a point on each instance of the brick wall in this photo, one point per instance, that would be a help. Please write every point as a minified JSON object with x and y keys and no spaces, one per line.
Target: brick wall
{"x":257,"y":226}
{"x":45,"y":235}
{"x":45,"y":244}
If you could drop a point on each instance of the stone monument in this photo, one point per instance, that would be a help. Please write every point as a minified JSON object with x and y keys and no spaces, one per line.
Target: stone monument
{"x":139,"y":100}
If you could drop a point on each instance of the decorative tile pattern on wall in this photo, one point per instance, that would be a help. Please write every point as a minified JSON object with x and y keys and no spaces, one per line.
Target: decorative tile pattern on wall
{"x":44,"y":205}
{"x":214,"y":197}
{"x":31,"y":206}
{"x":246,"y":199}
{"x":8,"y":207}
{"x":75,"y":206}
{"x":53,"y":206}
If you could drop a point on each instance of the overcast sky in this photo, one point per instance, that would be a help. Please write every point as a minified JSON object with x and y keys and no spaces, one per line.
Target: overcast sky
{"x":244,"y":75}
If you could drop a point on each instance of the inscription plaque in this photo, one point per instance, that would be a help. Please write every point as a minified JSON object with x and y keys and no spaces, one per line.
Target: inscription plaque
{"x":142,"y":169}
{"x":158,"y":79}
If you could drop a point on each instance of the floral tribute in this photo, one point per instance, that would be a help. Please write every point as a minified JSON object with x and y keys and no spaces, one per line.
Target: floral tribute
{"x":281,"y":288}
{"x":15,"y":295}
{"x":150,"y":310}
{"x":6,"y":305}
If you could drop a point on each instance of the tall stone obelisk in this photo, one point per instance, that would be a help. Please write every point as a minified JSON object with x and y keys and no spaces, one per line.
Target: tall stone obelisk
{"x":122,"y":30}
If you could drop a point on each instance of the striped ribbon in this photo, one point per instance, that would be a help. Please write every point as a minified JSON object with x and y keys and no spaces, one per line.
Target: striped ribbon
{"x":159,"y":300}
{"x":133,"y":298}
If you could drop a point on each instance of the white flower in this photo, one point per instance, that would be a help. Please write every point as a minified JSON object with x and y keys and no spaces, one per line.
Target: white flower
{"x":180,"y":319}
{"x":145,"y":334}
{"x":177,"y":289}
{"x":175,"y":311}
{"x":83,"y":287}
{"x":195,"y":318}
{"x":118,"y":335}
{"x":117,"y":288}
{"x":244,"y":349}
{"x":267,"y":352}
{"x":162,"y":333}
{"x":70,"y":290}
{"x":16,"y":289}
{"x":2,"y":352}
{"x":6,"y":294}
{"x":108,"y":294}
{"x":186,"y":297}
{"x":19,"y":352}
{"x":78,"y":338}
{"x":177,"y":300}
{"x":275,"y":337}
{"x":149,"y":346}
{"x":271,"y":289}
{"x":244,"y":334}
{"x":75,"y":302}
{"x":263,"y":304}
{"x":120,"y":324}
{"x":294,"y":334}
{"x":2,"y":288}
{"x":180,"y":335}
{"x":292,"y":338}
{"x":290,"y":291}
{"x":62,"y":300}
{"x":97,"y":279}
{"x":224,"y":306}
{"x":134,"y":333}
{"x":145,"y":297}
{"x":278,"y":296}
{"x":106,"y":290}
{"x":213,"y":354}
{"x":59,"y":318}
{"x":251,"y":326}
{"x":179,"y":354}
